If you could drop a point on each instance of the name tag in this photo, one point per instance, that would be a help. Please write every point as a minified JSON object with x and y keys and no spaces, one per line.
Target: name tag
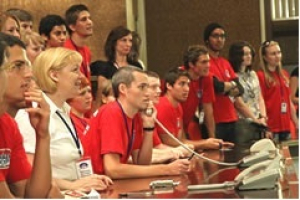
{"x":5,"y":158}
{"x":201,"y":117}
{"x":283,"y":107}
{"x":84,"y":167}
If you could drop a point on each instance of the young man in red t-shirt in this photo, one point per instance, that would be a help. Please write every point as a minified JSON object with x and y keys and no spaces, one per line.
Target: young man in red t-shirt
{"x":119,"y":130}
{"x":201,"y":94}
{"x":17,"y":179}
{"x":226,"y":86}
{"x":170,"y":114}
{"x":161,"y":152}
{"x":80,"y":27}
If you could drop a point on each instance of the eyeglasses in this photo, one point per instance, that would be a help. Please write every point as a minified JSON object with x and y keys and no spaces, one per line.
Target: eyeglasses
{"x":19,"y":65}
{"x":217,"y":36}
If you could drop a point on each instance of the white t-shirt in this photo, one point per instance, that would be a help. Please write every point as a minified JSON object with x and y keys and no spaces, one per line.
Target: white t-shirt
{"x":63,"y":150}
{"x":28,"y":133}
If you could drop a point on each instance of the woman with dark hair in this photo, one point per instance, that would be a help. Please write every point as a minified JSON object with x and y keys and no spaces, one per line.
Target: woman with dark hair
{"x":241,"y":56}
{"x":274,"y":83}
{"x":117,"y":47}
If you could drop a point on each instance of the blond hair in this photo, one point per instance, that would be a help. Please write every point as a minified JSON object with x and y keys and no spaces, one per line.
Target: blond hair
{"x":264,"y":64}
{"x":52,"y":59}
{"x":32,"y":37}
{"x":4,"y":17}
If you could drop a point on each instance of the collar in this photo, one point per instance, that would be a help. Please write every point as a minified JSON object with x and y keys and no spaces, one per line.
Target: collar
{"x":53,"y":108}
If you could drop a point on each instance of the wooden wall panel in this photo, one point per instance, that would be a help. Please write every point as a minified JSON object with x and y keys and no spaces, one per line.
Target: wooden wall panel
{"x":172,"y":25}
{"x":106,"y":14}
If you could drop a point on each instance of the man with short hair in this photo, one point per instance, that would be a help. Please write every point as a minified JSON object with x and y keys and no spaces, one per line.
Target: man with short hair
{"x":226,"y":86}
{"x":17,"y":178}
{"x":122,"y":128}
{"x":161,"y":152}
{"x":201,"y":94}
{"x":53,"y":29}
{"x":24,"y":17}
{"x":80,"y":27}
{"x":170,"y":114}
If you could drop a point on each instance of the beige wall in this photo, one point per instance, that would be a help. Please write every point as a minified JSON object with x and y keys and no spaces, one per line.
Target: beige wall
{"x":106,"y":14}
{"x":172,"y":25}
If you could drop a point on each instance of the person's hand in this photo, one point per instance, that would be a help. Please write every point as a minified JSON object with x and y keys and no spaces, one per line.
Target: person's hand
{"x":105,"y":179}
{"x":262,"y":121}
{"x":148,"y":118}
{"x":182,"y":152}
{"x":180,"y":166}
{"x":39,"y":115}
{"x":234,"y":92}
{"x":94,"y":181}
{"x":213,"y":143}
{"x":269,"y":135}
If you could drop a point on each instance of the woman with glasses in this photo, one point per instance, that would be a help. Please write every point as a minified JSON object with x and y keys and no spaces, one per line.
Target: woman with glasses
{"x":241,"y":56}
{"x":274,"y":83}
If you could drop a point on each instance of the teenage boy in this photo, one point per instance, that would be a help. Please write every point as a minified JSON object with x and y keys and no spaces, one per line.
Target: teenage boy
{"x":170,"y":114}
{"x":80,"y":28}
{"x":53,"y":29}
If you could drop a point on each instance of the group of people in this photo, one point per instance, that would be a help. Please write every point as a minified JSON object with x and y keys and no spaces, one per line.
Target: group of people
{"x":54,"y":126}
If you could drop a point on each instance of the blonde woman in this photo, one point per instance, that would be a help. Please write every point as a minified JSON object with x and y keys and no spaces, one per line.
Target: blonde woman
{"x":57,"y":73}
{"x":10,"y":25}
{"x":35,"y":44}
{"x":274,"y":83}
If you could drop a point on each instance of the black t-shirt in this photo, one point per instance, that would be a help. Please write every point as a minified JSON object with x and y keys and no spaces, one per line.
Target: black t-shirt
{"x":107,"y":69}
{"x":295,"y":73}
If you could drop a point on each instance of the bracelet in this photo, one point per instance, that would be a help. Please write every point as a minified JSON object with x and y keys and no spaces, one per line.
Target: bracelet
{"x":233,"y":85}
{"x":261,"y":116}
{"x":148,"y":129}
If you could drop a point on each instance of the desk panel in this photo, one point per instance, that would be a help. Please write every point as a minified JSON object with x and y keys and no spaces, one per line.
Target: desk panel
{"x":204,"y":172}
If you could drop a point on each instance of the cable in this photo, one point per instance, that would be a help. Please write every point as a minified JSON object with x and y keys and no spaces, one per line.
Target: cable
{"x":191,"y":150}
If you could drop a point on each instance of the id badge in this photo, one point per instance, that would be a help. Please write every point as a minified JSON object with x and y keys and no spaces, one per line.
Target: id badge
{"x":84,"y":167}
{"x":283,"y":107}
{"x":5,"y":158}
{"x":201,"y":117}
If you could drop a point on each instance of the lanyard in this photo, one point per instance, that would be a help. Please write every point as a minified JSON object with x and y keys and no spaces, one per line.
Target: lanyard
{"x":74,"y":136}
{"x":130,"y":139}
{"x":281,"y":87}
{"x":200,"y":93}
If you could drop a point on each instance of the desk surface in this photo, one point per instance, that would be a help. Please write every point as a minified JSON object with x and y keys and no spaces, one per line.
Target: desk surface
{"x":204,"y":172}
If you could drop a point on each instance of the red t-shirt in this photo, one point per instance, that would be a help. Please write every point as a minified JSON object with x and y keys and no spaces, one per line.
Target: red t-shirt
{"x":156,"y":139}
{"x":169,"y":116}
{"x":108,"y":134}
{"x":201,"y":91}
{"x":224,"y":110}
{"x":86,"y":57}
{"x":81,"y":124}
{"x":10,"y":138}
{"x":274,"y":95}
